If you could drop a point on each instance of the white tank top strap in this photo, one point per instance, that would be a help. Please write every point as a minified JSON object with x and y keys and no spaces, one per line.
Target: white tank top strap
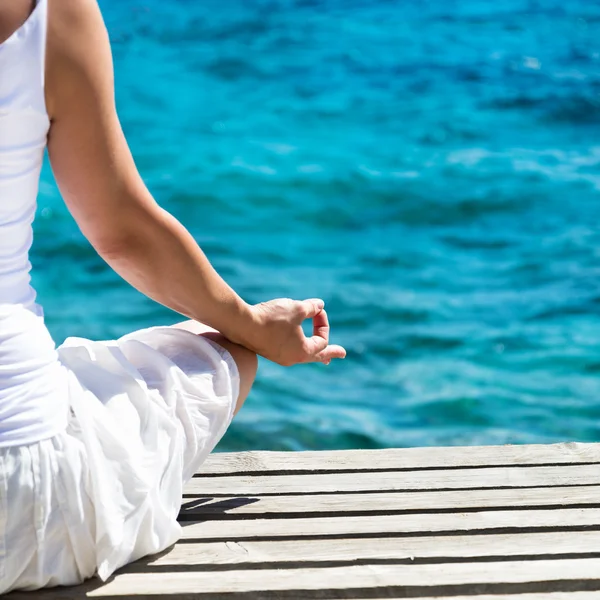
{"x":23,"y":62}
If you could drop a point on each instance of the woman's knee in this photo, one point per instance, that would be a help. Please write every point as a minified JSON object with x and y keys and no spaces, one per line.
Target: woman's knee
{"x":246,"y":360}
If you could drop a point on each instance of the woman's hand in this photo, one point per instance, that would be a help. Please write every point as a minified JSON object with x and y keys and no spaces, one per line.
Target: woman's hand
{"x":277,"y":332}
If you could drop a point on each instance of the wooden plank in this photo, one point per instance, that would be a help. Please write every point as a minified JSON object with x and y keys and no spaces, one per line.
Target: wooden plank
{"x":327,"y":504}
{"x":300,"y":551}
{"x":400,"y":458}
{"x":484,"y":577}
{"x":385,"y":525}
{"x":78,"y":593}
{"x":541,"y":596}
{"x":82,"y":592}
{"x":345,"y":582}
{"x":512,"y":477}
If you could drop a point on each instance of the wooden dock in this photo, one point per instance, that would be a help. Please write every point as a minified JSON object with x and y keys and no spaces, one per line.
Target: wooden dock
{"x":480,"y":523}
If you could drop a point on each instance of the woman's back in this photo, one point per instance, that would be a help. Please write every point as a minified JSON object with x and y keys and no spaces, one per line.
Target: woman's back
{"x":33,"y":402}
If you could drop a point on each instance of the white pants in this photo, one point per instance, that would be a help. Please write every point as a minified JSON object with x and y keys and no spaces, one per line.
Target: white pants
{"x":146,"y":410}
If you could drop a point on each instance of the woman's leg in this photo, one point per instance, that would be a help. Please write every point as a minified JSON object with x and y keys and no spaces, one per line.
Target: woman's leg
{"x":245,"y":359}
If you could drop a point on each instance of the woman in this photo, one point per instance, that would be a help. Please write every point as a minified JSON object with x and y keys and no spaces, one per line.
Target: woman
{"x":97,"y":438}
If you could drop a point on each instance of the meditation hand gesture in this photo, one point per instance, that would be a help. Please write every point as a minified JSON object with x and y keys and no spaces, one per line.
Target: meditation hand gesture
{"x":277,"y":332}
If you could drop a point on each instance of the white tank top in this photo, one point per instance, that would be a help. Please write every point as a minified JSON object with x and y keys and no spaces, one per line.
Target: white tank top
{"x":33,"y":396}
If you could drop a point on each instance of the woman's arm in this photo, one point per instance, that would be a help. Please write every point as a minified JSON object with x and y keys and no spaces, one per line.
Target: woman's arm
{"x":101,"y":185}
{"x":143,"y":243}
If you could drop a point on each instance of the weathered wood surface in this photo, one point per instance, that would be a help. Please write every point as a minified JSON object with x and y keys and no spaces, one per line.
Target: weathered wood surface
{"x":400,"y":459}
{"x":382,"y":503}
{"x":515,"y":522}
{"x":402,"y":481}
{"x":504,"y":578}
{"x":394,"y":525}
{"x":398,"y":550}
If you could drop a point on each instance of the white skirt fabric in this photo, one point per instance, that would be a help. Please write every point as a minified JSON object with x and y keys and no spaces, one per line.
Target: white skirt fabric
{"x":145,"y":412}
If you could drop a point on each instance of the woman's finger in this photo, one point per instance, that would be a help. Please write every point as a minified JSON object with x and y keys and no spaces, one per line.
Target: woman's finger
{"x":310,"y":308}
{"x":321,"y":325}
{"x":313,"y":346}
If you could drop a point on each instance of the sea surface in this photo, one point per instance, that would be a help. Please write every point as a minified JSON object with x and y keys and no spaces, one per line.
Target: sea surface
{"x":431,"y":169}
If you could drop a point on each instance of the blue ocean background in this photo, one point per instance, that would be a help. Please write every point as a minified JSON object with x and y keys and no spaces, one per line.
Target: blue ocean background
{"x":431,"y":169}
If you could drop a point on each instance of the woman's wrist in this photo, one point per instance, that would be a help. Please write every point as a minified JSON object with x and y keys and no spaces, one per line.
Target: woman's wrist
{"x":241,"y":324}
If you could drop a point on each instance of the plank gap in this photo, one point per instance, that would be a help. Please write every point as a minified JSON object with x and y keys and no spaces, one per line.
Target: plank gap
{"x":190,"y":516}
{"x":341,"y":471}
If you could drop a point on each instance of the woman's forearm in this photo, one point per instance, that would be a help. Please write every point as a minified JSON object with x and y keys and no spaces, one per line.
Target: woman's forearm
{"x":160,"y":258}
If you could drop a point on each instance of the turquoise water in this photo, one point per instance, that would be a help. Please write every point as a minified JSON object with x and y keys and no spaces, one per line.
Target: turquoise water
{"x":430,"y":169}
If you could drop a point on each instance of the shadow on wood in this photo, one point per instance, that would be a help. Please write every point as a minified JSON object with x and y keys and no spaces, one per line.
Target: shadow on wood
{"x":210,"y":509}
